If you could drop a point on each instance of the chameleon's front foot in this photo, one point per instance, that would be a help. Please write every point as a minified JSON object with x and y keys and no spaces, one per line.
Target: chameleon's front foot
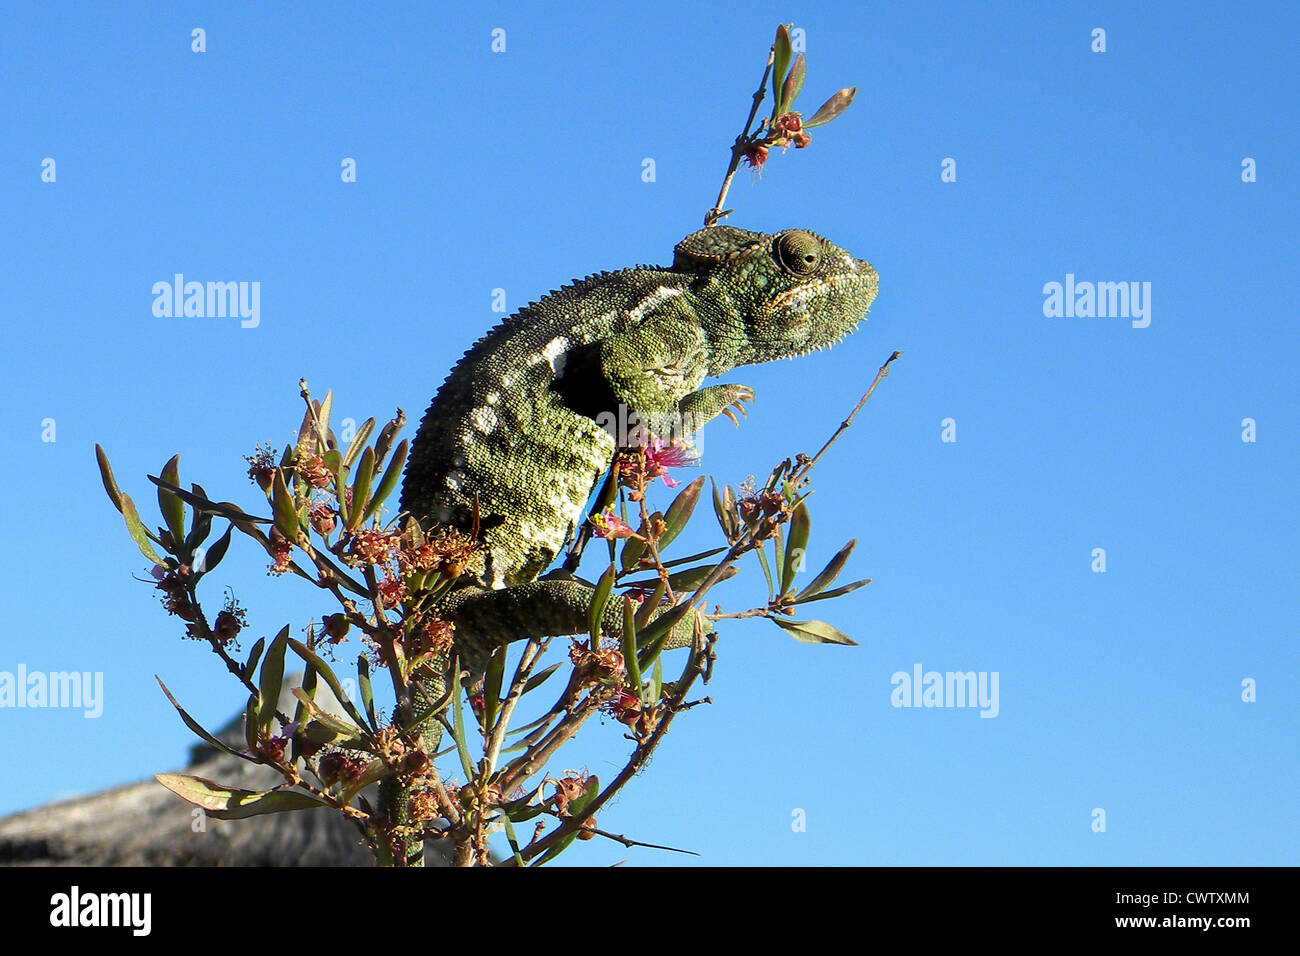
{"x":708,"y":403}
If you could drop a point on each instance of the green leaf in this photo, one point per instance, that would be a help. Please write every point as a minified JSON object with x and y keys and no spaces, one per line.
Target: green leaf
{"x":136,"y":529}
{"x":575,"y":811}
{"x":389,"y":481}
{"x":596,"y":609}
{"x":323,"y":669}
{"x":361,"y":489}
{"x":271,"y":679}
{"x":458,"y":724}
{"x":222,"y":509}
{"x":106,"y":476}
{"x":250,"y":721}
{"x":686,"y":580}
{"x":724,"y":507}
{"x":767,"y":569}
{"x":522,"y":808}
{"x":540,"y":678}
{"x":793,"y":83}
{"x":796,"y":545}
{"x":249,"y":669}
{"x":212,"y":557}
{"x":693,"y":557}
{"x":828,"y":574}
{"x":322,"y":732}
{"x":679,"y":512}
{"x":813,"y":632}
{"x":358,"y":442}
{"x":492,"y":681}
{"x":228,"y":803}
{"x":195,"y":726}
{"x":780,"y":61}
{"x":340,"y":728}
{"x":650,"y":604}
{"x":656,"y":687}
{"x":367,"y":692}
{"x":388,"y":433}
{"x":424,"y":716}
{"x":832,"y":108}
{"x":200,"y":527}
{"x":300,"y":712}
{"x":172,"y":508}
{"x":633,"y":549}
{"x":286,"y":515}
{"x":837,"y":592}
{"x":512,"y":840}
{"x":629,"y":646}
{"x":323,"y":410}
{"x":652,"y":639}
{"x":376,"y":770}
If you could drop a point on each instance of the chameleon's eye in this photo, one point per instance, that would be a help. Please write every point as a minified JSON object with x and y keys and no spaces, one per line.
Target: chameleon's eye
{"x":797,"y":252}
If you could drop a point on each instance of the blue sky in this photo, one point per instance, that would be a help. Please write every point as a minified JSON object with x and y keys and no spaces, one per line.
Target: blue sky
{"x":520,"y":170}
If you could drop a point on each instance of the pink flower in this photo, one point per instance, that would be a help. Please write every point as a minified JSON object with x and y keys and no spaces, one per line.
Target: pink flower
{"x":610,"y":525}
{"x":661,"y":455}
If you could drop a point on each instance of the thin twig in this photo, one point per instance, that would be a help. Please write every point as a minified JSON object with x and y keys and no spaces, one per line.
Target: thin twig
{"x":805,"y":467}
{"x":742,"y":143}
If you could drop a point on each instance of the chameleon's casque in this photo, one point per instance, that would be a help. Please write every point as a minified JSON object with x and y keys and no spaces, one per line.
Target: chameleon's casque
{"x":515,"y":424}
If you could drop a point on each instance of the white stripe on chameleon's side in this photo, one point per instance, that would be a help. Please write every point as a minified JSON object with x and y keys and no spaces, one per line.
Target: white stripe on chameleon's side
{"x":637,"y":313}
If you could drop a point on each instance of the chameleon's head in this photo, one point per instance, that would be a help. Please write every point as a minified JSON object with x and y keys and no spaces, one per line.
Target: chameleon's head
{"x":793,"y":291}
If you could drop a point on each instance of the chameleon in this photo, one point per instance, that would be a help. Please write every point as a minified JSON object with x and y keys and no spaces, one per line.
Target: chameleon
{"x":515,"y":441}
{"x":515,"y":432}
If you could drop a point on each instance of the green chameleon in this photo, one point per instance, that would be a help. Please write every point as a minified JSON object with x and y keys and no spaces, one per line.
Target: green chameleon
{"x":516,"y":428}
{"x":515,"y":433}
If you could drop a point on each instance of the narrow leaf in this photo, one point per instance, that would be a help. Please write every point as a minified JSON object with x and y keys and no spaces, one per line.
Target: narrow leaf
{"x":136,"y":529}
{"x":540,"y":678}
{"x":813,"y":632}
{"x":172,"y":508}
{"x":361,"y":489}
{"x":106,"y":476}
{"x":254,"y":656}
{"x":834,"y":593}
{"x":826,"y":577}
{"x":793,"y":83}
{"x":363,"y":683}
{"x":629,"y":646}
{"x":195,"y":726}
{"x":271,"y":679}
{"x":228,"y":803}
{"x":796,"y":545}
{"x":323,"y":669}
{"x":832,"y":108}
{"x":286,"y":515}
{"x":212,"y":557}
{"x":780,"y":61}
{"x":679,"y":512}
{"x":358,"y":442}
{"x":492,"y":681}
{"x":389,"y":481}
{"x":596,"y":609}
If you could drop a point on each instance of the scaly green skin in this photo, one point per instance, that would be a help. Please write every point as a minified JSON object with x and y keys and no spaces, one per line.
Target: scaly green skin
{"x":517,"y":426}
